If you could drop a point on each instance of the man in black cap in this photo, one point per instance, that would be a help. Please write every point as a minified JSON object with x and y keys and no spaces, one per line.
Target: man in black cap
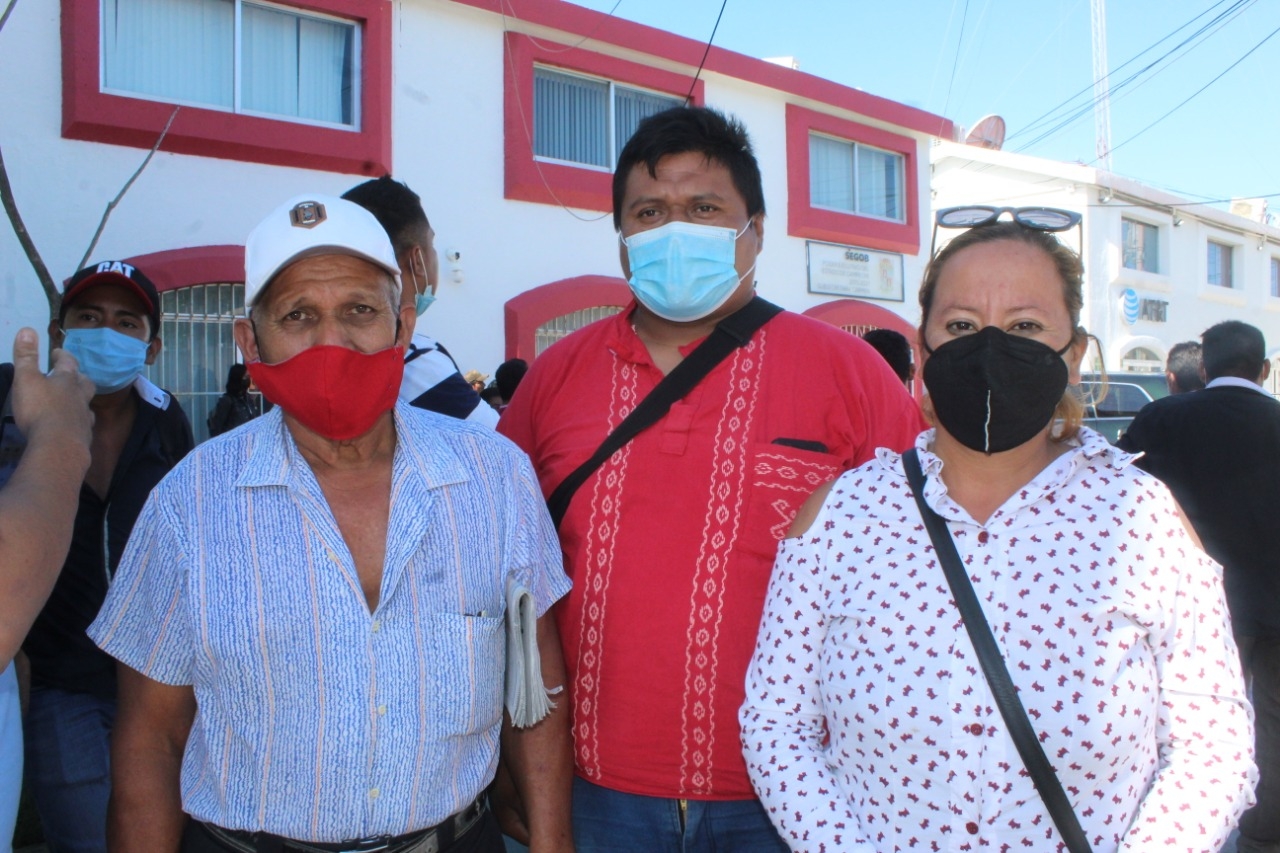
{"x":109,"y":320}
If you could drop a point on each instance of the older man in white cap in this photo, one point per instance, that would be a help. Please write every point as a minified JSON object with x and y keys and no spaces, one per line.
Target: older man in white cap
{"x":309,"y":617}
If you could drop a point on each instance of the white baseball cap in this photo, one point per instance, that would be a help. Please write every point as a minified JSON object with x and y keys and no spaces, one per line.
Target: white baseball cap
{"x":308,"y":225}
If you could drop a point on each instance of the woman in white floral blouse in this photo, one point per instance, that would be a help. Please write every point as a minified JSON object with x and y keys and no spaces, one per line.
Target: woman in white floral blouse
{"x":869,"y":725}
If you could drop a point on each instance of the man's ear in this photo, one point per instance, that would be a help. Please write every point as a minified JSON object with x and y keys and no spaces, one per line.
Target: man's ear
{"x":407,"y":319}
{"x":1266,"y":371}
{"x":153,"y":349}
{"x":246,"y":339}
{"x":758,"y":224}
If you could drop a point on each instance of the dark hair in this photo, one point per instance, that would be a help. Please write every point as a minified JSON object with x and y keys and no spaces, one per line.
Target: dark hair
{"x":1071,"y":272}
{"x":235,"y":379}
{"x":1184,"y":362}
{"x":720,"y":139}
{"x":508,"y":375}
{"x":1235,"y":349}
{"x":894,"y":348}
{"x":396,"y":207}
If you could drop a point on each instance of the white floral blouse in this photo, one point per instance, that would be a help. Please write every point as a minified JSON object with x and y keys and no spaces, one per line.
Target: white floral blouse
{"x":868,"y":724}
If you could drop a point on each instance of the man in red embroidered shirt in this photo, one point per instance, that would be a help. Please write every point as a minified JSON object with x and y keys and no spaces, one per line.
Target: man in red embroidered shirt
{"x":671,"y":541}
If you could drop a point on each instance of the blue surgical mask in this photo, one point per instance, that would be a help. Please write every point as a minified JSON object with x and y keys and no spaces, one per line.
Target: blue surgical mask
{"x":111,"y":359}
{"x":422,"y":301}
{"x":682,"y":271}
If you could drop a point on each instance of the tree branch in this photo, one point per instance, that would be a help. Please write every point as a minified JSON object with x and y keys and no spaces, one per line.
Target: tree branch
{"x":111,"y":205}
{"x":8,"y":10}
{"x":33,"y":255}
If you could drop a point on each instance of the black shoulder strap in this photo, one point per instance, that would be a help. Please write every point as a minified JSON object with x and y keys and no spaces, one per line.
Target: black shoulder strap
{"x":730,"y":333}
{"x":6,"y":382}
{"x":993,"y":666}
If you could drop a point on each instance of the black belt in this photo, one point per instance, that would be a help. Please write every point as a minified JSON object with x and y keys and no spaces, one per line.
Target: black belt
{"x":430,"y":840}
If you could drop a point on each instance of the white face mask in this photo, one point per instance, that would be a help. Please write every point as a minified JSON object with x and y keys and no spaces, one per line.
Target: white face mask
{"x":682,"y":271}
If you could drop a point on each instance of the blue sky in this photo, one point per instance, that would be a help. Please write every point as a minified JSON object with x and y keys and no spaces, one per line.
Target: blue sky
{"x":1021,"y":58}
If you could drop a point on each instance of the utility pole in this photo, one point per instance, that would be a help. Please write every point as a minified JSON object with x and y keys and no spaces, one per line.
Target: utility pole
{"x":1101,"y":88}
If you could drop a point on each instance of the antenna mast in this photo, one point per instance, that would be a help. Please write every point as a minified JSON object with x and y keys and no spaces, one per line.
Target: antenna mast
{"x":1101,"y":89}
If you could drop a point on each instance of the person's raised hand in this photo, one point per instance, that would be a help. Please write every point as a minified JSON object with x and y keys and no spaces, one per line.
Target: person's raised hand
{"x":56,"y":403}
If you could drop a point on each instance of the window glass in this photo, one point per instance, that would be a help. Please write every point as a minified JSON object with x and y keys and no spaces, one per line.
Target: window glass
{"x":1275,"y":277}
{"x":558,"y":327}
{"x":292,"y":65}
{"x":855,"y":178}
{"x":177,"y":50}
{"x":1219,"y":264}
{"x":1141,"y":245}
{"x":572,"y":116}
{"x":195,"y":325}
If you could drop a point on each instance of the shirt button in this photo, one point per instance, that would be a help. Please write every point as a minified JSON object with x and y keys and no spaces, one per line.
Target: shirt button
{"x":382,"y":709}
{"x":976,"y":729}
{"x":377,"y":625}
{"x":970,"y":827}
{"x":374,"y":793}
{"x":983,"y":537}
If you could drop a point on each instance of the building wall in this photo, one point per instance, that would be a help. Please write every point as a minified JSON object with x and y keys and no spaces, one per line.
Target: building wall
{"x":448,"y":73}
{"x":964,"y":175}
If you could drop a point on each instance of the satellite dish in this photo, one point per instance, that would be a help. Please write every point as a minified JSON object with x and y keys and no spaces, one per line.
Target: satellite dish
{"x":987,"y":133}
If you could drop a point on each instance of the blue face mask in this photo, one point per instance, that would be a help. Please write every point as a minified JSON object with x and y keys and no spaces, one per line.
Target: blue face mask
{"x":111,"y":359}
{"x":683,"y":272}
{"x":422,"y":301}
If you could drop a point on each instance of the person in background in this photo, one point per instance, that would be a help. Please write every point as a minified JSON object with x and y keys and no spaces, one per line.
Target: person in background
{"x":1218,"y":450}
{"x":508,"y":377}
{"x":1184,"y":369}
{"x":326,"y":586}
{"x":477,"y":380}
{"x":45,"y":435}
{"x":670,"y":541}
{"x":109,"y":320}
{"x":236,"y":406}
{"x":431,"y":377}
{"x":869,"y":725}
{"x":896,"y":350}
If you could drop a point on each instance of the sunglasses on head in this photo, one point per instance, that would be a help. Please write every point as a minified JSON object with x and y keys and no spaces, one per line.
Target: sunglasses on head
{"x":977,"y":215}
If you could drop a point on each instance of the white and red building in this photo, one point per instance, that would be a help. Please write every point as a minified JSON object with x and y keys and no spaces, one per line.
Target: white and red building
{"x":505,"y":115}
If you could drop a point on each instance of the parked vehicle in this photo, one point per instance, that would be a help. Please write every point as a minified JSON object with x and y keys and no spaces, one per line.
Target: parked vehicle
{"x":1126,"y":393}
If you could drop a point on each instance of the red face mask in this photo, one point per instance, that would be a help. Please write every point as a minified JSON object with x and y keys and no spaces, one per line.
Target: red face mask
{"x":333,"y":391}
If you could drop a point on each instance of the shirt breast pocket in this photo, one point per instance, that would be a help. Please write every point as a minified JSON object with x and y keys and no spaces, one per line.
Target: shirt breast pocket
{"x":466,"y":668}
{"x":781,"y":477}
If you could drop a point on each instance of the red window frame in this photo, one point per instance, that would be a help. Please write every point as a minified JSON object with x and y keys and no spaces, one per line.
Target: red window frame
{"x":90,"y":114}
{"x":525,"y":312}
{"x":528,"y":179}
{"x":834,"y":226}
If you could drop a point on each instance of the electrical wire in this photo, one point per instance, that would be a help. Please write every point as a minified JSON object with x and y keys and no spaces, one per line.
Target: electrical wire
{"x":1216,"y":25}
{"x":954,"y":65}
{"x":1189,"y":98}
{"x":1056,"y":115}
{"x":689,"y":97}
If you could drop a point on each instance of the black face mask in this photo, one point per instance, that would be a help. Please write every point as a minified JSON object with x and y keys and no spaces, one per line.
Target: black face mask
{"x":993,"y":391}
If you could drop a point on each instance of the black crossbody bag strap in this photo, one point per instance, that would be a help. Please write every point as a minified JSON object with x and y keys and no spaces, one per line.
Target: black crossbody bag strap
{"x":993,"y":666}
{"x":730,"y":333}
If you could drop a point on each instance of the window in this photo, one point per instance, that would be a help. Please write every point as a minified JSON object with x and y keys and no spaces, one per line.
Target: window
{"x":564,"y":325}
{"x":233,"y":55}
{"x":195,"y":325}
{"x":1141,"y":245}
{"x":855,"y":178}
{"x":584,"y":120}
{"x":851,"y":184}
{"x":306,"y":86}
{"x":1275,"y":277}
{"x":568,"y":112}
{"x":1220,"y":264}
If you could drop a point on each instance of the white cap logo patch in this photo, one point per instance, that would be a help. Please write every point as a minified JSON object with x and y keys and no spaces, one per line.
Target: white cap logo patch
{"x":307,"y":214}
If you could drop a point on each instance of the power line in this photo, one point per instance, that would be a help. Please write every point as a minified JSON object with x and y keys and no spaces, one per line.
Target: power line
{"x":1055,"y":114}
{"x":689,"y":97}
{"x":1186,"y":100}
{"x":956,"y":64}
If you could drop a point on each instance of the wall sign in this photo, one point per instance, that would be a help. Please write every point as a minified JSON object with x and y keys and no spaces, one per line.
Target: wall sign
{"x":1136,"y":307}
{"x":852,"y":271}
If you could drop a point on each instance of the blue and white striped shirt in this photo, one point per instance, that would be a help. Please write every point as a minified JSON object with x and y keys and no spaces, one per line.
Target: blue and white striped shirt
{"x":318,"y":720}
